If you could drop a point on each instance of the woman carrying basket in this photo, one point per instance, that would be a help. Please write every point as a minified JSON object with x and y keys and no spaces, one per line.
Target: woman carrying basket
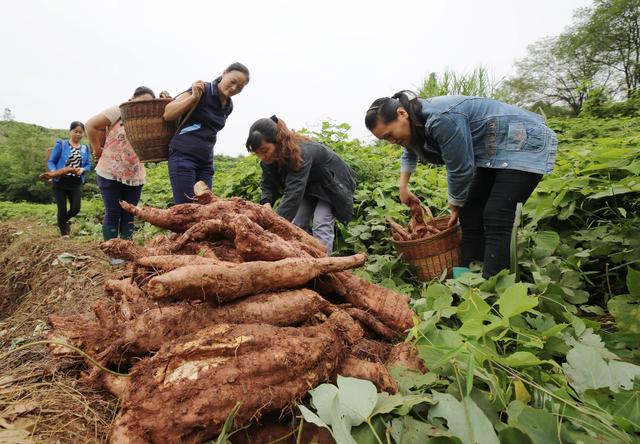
{"x":316,"y":183}
{"x":495,"y":155}
{"x":120,"y":174}
{"x":206,"y":107}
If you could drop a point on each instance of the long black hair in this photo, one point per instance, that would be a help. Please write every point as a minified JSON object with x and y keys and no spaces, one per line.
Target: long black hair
{"x":386,"y":110}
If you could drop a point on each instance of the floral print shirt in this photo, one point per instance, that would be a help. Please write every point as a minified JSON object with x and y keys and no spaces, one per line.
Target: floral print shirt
{"x":119,"y":161}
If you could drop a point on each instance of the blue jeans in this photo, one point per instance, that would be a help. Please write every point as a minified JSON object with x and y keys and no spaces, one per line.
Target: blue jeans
{"x":112,"y":193}
{"x":323,"y":221}
{"x":184,"y":172}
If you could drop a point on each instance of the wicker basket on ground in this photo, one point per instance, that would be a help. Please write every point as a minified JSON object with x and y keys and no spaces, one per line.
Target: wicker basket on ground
{"x":148,"y":133}
{"x":432,"y":255}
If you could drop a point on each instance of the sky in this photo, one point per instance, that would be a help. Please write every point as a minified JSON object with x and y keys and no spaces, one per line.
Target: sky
{"x":310,"y":61}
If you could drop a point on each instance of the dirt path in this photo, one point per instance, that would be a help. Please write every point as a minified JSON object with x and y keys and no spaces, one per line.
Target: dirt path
{"x":40,"y":398}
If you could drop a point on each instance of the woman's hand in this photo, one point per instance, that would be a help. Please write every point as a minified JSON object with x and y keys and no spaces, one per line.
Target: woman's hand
{"x":197,"y":89}
{"x":407,"y":197}
{"x":453,"y":219}
{"x":267,"y":204}
{"x":78,"y":171}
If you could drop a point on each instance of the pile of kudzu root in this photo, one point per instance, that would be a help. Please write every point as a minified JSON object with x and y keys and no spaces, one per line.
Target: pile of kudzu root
{"x":236,"y":307}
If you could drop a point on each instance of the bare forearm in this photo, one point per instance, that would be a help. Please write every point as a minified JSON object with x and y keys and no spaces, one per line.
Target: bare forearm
{"x":178,"y":107}
{"x":404,"y":180}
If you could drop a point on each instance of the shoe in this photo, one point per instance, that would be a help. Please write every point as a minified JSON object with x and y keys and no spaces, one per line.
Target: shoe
{"x":126,"y":231}
{"x":109,"y":232}
{"x":65,"y":236}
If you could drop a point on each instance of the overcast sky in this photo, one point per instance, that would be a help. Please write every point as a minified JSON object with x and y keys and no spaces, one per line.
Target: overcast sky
{"x":309,"y":60}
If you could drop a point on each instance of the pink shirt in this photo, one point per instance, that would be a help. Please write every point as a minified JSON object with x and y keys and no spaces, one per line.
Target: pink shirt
{"x":119,"y":161}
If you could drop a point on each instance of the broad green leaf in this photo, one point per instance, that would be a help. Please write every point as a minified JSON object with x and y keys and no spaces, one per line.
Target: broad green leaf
{"x":438,"y":296}
{"x":364,"y":435}
{"x":473,"y":308}
{"x":340,"y":424}
{"x":387,"y":403}
{"x":514,"y":300}
{"x":540,"y":426}
{"x":311,"y":417}
{"x":322,"y":399}
{"x":587,"y":369}
{"x":357,"y":398}
{"x":633,"y":282}
{"x":464,"y":419}
{"x":511,"y":435}
{"x":546,"y":243}
{"x":407,"y":430}
{"x":521,"y":359}
{"x":626,"y":311}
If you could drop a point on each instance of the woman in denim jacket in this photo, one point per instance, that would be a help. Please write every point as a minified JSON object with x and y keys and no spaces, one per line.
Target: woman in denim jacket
{"x":68,"y":165}
{"x":316,"y":184}
{"x":495,"y":155}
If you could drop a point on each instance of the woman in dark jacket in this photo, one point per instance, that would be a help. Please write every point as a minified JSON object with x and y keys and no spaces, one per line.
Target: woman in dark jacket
{"x":495,"y":155}
{"x":317,"y":185}
{"x":191,"y":149}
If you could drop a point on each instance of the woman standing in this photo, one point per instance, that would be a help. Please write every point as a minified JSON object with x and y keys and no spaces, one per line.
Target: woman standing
{"x":495,"y":155}
{"x":121,"y":175}
{"x":191,"y":149}
{"x":68,"y":164}
{"x":317,"y":185}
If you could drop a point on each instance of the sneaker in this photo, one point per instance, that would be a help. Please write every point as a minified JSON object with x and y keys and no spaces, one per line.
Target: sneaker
{"x":65,"y":236}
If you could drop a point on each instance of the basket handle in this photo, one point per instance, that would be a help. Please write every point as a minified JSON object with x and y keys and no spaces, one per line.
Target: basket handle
{"x":186,"y":117}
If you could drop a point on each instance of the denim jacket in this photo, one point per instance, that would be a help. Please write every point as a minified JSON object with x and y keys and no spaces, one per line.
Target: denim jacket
{"x":60,"y":154}
{"x":464,"y":133}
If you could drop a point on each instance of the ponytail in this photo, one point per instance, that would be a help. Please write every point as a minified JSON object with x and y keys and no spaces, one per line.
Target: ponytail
{"x":386,"y":110}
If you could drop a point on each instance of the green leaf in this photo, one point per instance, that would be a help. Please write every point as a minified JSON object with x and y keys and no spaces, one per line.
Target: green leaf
{"x":514,"y":300}
{"x":546,"y":243}
{"x":387,"y":403}
{"x":340,"y":424}
{"x":311,"y":417}
{"x":540,"y":426}
{"x":473,"y":308}
{"x":407,"y":430}
{"x":586,"y":369}
{"x":633,"y":282}
{"x":626,"y":311}
{"x":511,"y":435}
{"x":464,"y":419}
{"x":438,"y":296}
{"x":521,"y":359}
{"x":357,"y":397}
{"x":322,"y":398}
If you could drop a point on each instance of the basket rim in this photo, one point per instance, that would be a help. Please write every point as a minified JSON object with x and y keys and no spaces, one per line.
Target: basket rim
{"x":435,"y":237}
{"x":144,"y":101}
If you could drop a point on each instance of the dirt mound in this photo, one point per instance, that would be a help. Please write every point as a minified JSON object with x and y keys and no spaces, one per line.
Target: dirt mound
{"x":40,"y":397}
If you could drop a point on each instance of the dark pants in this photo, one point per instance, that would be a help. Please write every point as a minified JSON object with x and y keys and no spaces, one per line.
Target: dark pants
{"x":62,"y":194}
{"x":184,"y":172}
{"x":487,"y":216}
{"x":112,"y":193}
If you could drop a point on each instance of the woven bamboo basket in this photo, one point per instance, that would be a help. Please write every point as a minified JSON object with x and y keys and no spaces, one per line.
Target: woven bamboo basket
{"x":148,"y":133}
{"x":432,"y":255}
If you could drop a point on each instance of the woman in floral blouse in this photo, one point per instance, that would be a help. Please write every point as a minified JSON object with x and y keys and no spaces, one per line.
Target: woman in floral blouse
{"x":120,"y":172}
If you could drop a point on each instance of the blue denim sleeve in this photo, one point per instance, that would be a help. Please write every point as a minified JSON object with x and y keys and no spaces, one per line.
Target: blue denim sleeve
{"x":86,"y":162}
{"x":408,"y":161}
{"x":453,"y":135}
{"x":55,"y":155}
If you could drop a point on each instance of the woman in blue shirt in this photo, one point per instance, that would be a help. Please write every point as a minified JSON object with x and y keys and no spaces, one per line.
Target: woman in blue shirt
{"x":68,"y":165}
{"x":495,"y":155}
{"x":191,"y":149}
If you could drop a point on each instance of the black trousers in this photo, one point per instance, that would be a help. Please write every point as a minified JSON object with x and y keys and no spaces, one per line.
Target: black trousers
{"x":487,"y":216}
{"x":62,"y":194}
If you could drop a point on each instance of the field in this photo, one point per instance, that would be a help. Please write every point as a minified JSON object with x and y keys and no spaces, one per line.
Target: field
{"x":546,"y":353}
